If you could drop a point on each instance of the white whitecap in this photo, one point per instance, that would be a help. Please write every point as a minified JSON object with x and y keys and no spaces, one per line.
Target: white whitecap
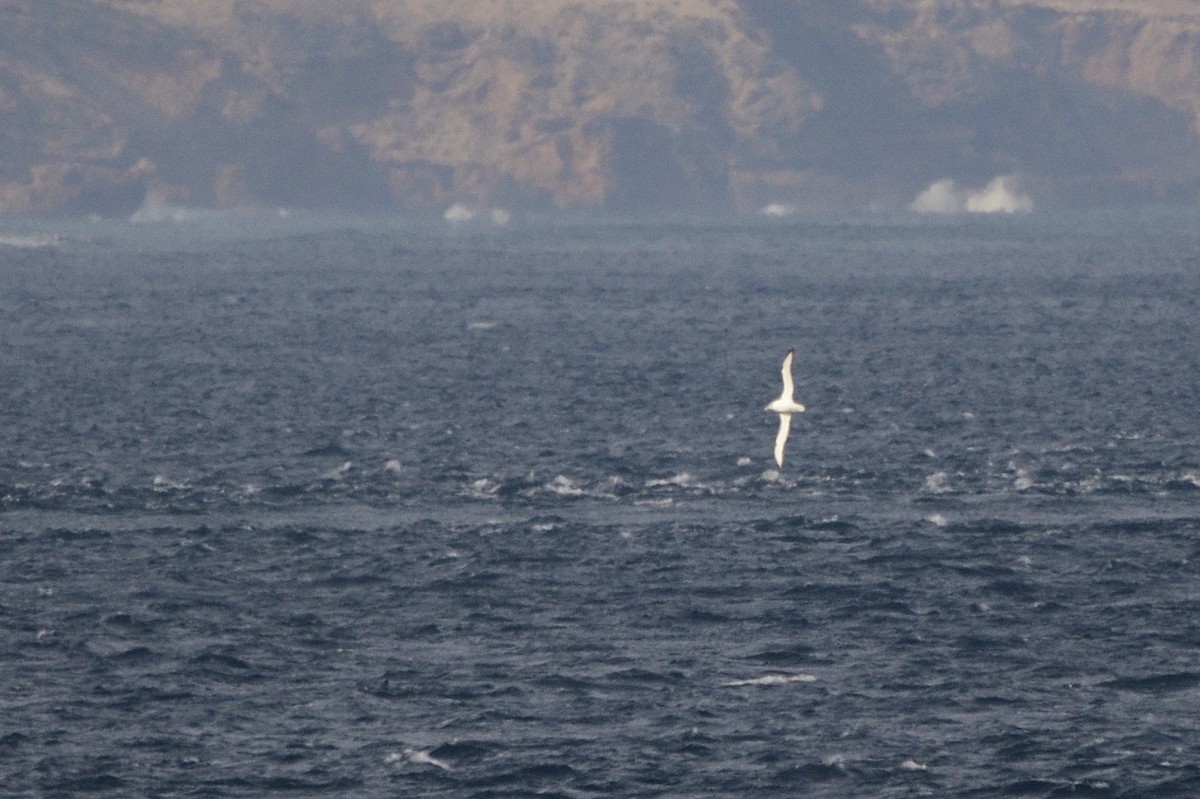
{"x":565,"y":486}
{"x":771,"y":679}
{"x":339,"y":472}
{"x":681,"y":479}
{"x":156,"y":208}
{"x":777,"y":210}
{"x":416,"y":757}
{"x":937,"y":483}
{"x":483,"y":488}
{"x":458,"y":213}
{"x":27,"y":242}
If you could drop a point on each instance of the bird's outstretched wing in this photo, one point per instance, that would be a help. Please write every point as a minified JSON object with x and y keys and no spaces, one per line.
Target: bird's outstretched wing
{"x":789,"y":388}
{"x":785,"y":424}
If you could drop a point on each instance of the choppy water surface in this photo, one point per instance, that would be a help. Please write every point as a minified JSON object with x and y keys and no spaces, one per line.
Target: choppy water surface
{"x":325,"y":509}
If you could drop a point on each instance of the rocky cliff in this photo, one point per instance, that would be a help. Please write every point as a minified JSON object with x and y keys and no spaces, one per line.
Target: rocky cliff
{"x":622,"y":105}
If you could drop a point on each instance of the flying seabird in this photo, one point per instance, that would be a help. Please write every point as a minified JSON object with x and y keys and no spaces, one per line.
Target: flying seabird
{"x":785,"y":406}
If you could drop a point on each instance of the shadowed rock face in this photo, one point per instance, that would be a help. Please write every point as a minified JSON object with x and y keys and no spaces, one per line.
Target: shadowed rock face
{"x":621,"y":105}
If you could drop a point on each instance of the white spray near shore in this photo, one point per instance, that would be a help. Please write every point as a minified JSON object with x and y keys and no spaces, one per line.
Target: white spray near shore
{"x":1003,"y":194}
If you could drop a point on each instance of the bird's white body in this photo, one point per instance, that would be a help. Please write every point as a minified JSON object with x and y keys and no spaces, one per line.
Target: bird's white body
{"x":785,"y":405}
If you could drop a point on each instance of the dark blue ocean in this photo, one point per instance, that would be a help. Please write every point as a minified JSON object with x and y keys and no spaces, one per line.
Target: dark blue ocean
{"x":317,"y":507}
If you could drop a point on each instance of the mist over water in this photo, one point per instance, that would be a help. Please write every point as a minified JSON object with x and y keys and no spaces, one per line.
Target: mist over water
{"x":306,"y":504}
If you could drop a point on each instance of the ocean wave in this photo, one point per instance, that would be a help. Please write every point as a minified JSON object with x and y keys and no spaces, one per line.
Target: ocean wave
{"x":388,"y":483}
{"x":769,"y":680}
{"x":30,"y":241}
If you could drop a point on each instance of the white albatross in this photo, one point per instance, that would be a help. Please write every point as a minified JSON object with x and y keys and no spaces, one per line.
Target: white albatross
{"x":785,"y":405}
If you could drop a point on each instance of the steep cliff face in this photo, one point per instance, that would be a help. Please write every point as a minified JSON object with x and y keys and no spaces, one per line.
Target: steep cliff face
{"x":578,"y":104}
{"x":1087,"y":97}
{"x":625,"y":105}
